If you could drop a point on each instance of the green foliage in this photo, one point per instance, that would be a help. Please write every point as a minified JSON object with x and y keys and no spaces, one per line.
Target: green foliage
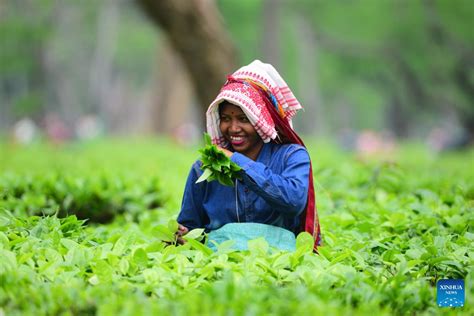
{"x":23,"y":33}
{"x":216,"y":165}
{"x":242,"y":19}
{"x":391,"y":229}
{"x":97,"y":197}
{"x":364,"y":57}
{"x":48,"y":45}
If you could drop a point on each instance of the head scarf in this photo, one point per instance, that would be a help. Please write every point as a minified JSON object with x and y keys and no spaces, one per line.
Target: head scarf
{"x":269,"y":104}
{"x":243,"y":94}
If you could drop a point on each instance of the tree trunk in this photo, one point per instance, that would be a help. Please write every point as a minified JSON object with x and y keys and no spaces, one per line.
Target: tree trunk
{"x":173,"y":96}
{"x":195,"y":30}
{"x":397,"y":119}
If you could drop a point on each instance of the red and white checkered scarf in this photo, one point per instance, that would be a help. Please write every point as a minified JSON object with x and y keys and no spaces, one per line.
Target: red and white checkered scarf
{"x":237,"y":92}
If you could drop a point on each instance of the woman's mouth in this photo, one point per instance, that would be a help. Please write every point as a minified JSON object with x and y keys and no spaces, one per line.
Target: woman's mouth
{"x":237,"y":140}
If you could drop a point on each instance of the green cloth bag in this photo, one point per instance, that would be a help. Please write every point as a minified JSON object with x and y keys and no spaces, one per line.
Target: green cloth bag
{"x":241,"y":233}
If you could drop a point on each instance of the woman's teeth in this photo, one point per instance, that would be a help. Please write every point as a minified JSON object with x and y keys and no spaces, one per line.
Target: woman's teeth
{"x":236,"y":140}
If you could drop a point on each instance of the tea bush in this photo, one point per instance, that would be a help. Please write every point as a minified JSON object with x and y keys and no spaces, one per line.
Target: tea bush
{"x":391,"y":228}
{"x":98,"y":198}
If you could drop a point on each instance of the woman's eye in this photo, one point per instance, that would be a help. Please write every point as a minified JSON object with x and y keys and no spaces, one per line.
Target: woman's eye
{"x":224,"y":119}
{"x":244,"y":120}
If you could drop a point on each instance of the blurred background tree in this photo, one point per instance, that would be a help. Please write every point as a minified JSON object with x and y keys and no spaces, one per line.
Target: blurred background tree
{"x":403,"y":67}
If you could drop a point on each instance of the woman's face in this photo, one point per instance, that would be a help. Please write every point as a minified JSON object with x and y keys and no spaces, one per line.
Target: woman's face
{"x":238,"y":130}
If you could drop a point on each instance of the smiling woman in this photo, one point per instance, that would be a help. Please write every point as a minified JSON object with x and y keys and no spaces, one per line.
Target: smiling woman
{"x":238,"y":131}
{"x":250,"y":121}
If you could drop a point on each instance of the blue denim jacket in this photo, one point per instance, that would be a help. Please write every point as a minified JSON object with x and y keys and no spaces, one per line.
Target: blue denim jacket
{"x":273,"y":191}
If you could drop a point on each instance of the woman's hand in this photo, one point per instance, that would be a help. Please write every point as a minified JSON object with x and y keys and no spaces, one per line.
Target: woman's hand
{"x":227,"y":152}
{"x":180,"y":233}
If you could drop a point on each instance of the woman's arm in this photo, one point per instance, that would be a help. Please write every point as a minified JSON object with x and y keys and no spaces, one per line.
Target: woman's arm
{"x":192,"y":214}
{"x":286,"y":192}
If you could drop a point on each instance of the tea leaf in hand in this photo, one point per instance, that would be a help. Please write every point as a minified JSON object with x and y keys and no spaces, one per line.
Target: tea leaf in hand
{"x":205,"y":175}
{"x":216,"y":165}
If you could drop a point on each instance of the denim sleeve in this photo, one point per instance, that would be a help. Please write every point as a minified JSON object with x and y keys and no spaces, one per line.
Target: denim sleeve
{"x":192,"y":214}
{"x":287,"y":191}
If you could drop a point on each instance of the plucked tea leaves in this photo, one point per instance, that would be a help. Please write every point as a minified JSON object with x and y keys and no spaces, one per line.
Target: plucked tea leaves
{"x":216,"y":165}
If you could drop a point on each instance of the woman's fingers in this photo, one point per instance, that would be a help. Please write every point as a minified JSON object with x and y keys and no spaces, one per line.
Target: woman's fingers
{"x":182,"y":230}
{"x":227,"y":152}
{"x":181,"y":241}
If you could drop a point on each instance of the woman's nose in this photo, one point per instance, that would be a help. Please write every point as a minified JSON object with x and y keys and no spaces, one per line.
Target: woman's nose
{"x":235,"y":126}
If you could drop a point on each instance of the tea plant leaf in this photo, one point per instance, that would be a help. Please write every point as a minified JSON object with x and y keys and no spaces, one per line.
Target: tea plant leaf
{"x":205,"y":175}
{"x":194,"y":234}
{"x":94,"y":280}
{"x":122,"y":244}
{"x":305,"y":242}
{"x":8,"y":263}
{"x":103,"y":271}
{"x":224,"y":247}
{"x":69,"y":244}
{"x":207,"y":139}
{"x":124,"y":266}
{"x":164,"y":233}
{"x":258,"y":246}
{"x":4,"y":242}
{"x":199,"y":246}
{"x":140,"y":257}
{"x":172,"y":225}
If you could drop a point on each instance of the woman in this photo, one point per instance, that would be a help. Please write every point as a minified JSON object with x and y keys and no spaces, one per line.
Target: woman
{"x":250,"y":121}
